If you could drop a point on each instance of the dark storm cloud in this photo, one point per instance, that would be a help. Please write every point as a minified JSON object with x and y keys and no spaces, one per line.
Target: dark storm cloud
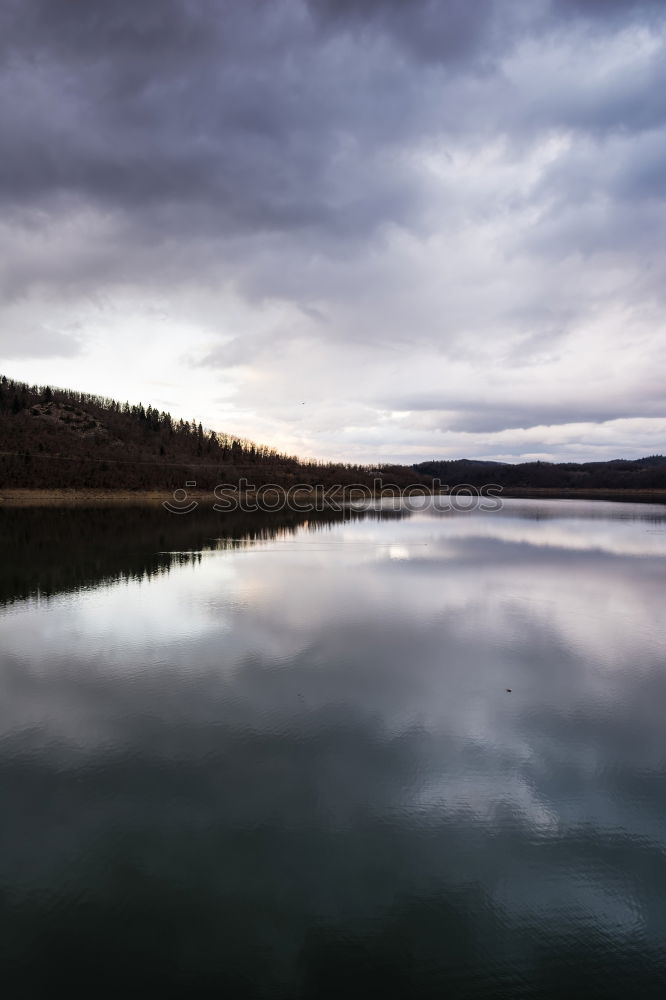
{"x":454,"y":31}
{"x":248,"y":114}
{"x":605,"y":9}
{"x":199,"y":118}
{"x":223,"y":110}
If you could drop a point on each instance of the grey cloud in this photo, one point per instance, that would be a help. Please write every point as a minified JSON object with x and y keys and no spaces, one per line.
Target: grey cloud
{"x":625,"y":100}
{"x":245,"y":114}
{"x":235,"y":118}
{"x":477,"y":416}
{"x":605,"y":9}
{"x":452,"y":32}
{"x":475,"y":34}
{"x":481,"y":419}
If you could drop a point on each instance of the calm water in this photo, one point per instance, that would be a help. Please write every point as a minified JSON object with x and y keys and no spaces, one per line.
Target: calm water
{"x":274,"y":758}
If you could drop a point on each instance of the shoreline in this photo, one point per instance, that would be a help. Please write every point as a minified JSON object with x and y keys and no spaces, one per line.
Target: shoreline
{"x":92,"y":497}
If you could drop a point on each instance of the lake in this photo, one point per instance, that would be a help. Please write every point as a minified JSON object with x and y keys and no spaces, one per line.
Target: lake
{"x":387,"y":752}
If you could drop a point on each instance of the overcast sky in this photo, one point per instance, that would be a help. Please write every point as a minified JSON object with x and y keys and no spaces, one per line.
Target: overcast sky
{"x":361,"y":229}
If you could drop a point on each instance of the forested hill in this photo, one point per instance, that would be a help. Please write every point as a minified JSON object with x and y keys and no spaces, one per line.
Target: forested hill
{"x":619,"y":474}
{"x":56,"y":438}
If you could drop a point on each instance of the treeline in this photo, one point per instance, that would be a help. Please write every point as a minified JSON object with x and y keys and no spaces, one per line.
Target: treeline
{"x":53,"y":438}
{"x":625,"y":474}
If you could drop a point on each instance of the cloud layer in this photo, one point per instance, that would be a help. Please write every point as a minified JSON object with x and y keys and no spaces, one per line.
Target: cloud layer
{"x":438,"y":225}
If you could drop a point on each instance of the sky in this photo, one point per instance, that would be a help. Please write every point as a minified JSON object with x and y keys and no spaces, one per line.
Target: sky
{"x":370,"y":230}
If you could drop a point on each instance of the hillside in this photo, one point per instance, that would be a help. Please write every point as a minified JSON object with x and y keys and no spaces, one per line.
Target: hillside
{"x":57,"y":438}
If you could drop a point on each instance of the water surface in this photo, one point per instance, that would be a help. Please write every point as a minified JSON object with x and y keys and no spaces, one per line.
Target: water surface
{"x":263,"y":756}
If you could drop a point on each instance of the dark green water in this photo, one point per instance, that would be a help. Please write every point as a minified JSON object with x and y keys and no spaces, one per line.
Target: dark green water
{"x":262,"y":757}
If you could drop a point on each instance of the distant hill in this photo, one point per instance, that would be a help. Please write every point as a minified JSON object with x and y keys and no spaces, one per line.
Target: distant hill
{"x":53,"y":438}
{"x":633,"y":474}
